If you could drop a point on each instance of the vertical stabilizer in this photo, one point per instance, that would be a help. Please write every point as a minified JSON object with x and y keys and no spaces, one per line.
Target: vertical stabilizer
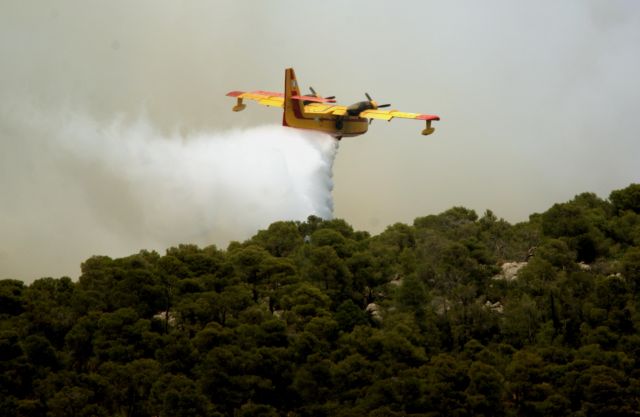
{"x":293,"y":109}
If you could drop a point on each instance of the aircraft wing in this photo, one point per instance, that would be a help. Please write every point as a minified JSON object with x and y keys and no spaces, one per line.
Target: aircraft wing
{"x":390,"y":114}
{"x":273,"y":99}
{"x":314,"y":99}
{"x":266,"y":98}
{"x":318,"y":108}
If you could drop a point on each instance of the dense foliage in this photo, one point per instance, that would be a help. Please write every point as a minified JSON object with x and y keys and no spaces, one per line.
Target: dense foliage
{"x":316,"y":319}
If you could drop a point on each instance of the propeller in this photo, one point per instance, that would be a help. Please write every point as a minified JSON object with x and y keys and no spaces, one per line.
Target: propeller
{"x":313,"y":93}
{"x":374,"y":104}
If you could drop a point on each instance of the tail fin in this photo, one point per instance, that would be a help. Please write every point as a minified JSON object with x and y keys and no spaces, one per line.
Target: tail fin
{"x":293,"y":109}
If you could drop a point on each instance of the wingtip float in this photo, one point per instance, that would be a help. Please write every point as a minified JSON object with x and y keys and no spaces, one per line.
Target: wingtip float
{"x":315,"y":112}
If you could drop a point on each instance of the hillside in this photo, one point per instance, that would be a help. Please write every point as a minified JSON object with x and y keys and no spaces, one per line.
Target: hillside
{"x":454,"y":315}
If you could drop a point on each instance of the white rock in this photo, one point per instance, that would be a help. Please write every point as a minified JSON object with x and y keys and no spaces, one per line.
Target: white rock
{"x":510,"y":270}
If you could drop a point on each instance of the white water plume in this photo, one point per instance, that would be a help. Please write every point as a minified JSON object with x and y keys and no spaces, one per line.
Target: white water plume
{"x":71,"y":187}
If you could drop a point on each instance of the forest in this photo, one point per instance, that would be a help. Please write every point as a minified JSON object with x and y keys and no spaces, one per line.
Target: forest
{"x":454,"y":315}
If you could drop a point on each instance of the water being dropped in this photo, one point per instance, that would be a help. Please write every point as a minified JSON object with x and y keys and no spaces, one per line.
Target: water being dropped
{"x":79,"y":188}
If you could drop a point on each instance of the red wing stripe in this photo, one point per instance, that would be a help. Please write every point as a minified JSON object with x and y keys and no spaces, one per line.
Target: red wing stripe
{"x":234,"y":93}
{"x":427,"y":117}
{"x":314,"y":99}
{"x":268,"y":93}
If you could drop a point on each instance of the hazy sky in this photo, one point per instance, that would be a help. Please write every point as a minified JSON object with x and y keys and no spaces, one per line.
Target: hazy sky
{"x":538,"y":100}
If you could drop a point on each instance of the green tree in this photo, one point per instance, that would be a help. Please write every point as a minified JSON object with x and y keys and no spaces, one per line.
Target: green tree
{"x":521,"y":321}
{"x":178,"y":396}
{"x":485,"y":391}
{"x":626,"y":199}
{"x":348,"y":315}
{"x":281,"y":239}
{"x":74,"y":401}
{"x":631,"y":268}
{"x":48,"y":308}
{"x":11,"y":291}
{"x":447,"y":381}
{"x":605,"y":393}
{"x":412,"y":296}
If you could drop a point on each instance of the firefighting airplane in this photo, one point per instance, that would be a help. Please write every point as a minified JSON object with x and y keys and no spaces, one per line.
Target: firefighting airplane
{"x":319,"y":113}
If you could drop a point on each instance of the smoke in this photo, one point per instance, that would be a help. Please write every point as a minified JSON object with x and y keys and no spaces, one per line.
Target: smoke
{"x":72,"y":187}
{"x":531,"y":114}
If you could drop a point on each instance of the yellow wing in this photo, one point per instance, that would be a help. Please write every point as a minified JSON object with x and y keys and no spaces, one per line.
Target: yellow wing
{"x":266,"y":98}
{"x":319,"y":108}
{"x":390,"y":114}
{"x":271,"y":98}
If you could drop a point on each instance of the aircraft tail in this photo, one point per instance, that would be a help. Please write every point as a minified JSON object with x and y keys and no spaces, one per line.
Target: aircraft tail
{"x":293,"y":109}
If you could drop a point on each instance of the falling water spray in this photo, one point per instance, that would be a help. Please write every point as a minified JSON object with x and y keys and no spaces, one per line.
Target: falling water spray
{"x":72,"y":187}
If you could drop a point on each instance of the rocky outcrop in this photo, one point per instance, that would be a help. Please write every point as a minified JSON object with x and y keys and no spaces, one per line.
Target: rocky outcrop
{"x":374,"y":310}
{"x":510,"y":270}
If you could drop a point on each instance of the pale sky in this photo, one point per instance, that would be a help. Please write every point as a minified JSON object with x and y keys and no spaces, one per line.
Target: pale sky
{"x":538,"y":99}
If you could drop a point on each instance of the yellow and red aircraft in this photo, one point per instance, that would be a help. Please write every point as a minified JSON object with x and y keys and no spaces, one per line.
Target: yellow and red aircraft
{"x":319,"y":113}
